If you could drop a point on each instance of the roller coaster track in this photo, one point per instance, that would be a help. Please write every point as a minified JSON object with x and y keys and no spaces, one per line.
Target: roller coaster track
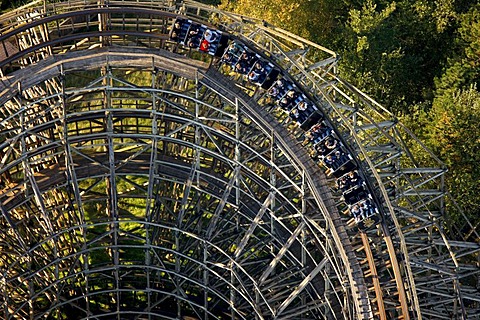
{"x":317,"y":263}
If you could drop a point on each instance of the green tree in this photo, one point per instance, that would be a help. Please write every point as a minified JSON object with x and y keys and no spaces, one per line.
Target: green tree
{"x":7,"y":5}
{"x":394,"y":50}
{"x":464,"y":68}
{"x":313,"y":20}
{"x":453,"y":133}
{"x":452,"y":126}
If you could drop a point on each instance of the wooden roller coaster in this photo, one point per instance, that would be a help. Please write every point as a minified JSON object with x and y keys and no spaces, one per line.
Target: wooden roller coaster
{"x":106,"y":109}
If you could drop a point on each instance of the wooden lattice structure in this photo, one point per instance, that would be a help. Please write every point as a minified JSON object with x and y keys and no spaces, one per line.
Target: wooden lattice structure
{"x":141,"y":179}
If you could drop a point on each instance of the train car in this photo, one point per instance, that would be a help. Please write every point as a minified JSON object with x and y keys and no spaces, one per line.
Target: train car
{"x":305,"y":113}
{"x":339,"y":162}
{"x":312,"y":120}
{"x":364,"y":213}
{"x":179,"y":30}
{"x":355,"y":194}
{"x":243,"y":60}
{"x":359,"y":201}
{"x":279,"y":89}
{"x":198,"y":36}
{"x":348,"y":181}
{"x":317,"y":131}
{"x":326,"y":145}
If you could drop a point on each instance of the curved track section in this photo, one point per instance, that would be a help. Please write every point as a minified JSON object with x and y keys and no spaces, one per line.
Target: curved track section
{"x":141,"y":179}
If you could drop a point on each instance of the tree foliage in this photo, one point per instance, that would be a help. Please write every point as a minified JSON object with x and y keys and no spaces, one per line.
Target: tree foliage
{"x":400,"y":48}
{"x":314,"y":20}
{"x":451,"y":129}
{"x":463,"y":69}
